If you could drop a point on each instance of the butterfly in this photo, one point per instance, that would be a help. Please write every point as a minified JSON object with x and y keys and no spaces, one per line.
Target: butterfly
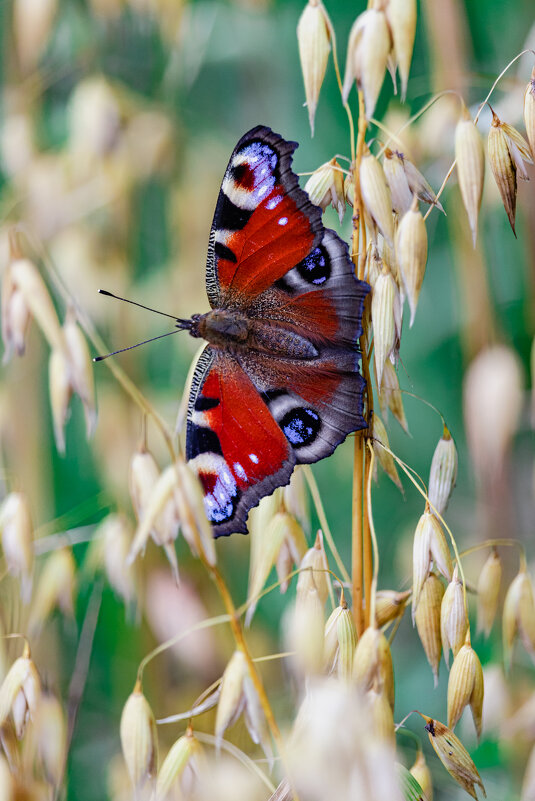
{"x":278,"y":383}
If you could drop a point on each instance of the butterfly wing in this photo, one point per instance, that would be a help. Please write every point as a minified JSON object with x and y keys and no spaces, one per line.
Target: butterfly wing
{"x":233,"y":442}
{"x":264,"y":223}
{"x":254,"y":414}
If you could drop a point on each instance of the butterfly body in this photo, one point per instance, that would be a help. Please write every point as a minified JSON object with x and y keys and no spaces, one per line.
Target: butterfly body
{"x":278,"y":382}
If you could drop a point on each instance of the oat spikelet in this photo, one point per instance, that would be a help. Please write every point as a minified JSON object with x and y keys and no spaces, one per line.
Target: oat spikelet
{"x":488,"y":592}
{"x":139,"y":739}
{"x":397,"y":181}
{"x":385,"y":311}
{"x":519,"y":615}
{"x":422,"y":774}
{"x":453,"y":619}
{"x":367,"y":56}
{"x":443,"y":473}
{"x":389,"y":605}
{"x":427,"y":619}
{"x":508,"y":150}
{"x":376,"y":194}
{"x":314,"y":40}
{"x":326,"y":187}
{"x":17,"y":540}
{"x":390,"y":396}
{"x":465,"y":687}
{"x":470,"y":156}
{"x":380,"y":437}
{"x":372,"y":666}
{"x":401,"y":15}
{"x":186,"y":750}
{"x":453,"y":756}
{"x":529,"y":112}
{"x":411,"y":253}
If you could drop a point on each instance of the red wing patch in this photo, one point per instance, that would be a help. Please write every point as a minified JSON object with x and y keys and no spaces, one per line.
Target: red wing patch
{"x":233,"y":443}
{"x":264,"y":223}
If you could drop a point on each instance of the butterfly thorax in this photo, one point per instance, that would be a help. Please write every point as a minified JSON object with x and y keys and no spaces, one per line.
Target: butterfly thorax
{"x":233,"y":331}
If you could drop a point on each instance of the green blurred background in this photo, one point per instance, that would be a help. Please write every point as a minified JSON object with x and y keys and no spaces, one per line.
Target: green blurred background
{"x":126,"y":114}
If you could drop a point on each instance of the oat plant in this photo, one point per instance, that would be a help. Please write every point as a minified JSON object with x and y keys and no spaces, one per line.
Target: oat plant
{"x":308,"y":712}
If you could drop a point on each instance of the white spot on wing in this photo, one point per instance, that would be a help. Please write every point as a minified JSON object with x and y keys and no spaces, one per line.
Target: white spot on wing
{"x":274,"y":202}
{"x":254,"y":458}
{"x":238,"y":469}
{"x":283,"y":220}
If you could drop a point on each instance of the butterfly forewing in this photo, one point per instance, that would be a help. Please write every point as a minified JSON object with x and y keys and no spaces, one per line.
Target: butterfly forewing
{"x":264,"y":223}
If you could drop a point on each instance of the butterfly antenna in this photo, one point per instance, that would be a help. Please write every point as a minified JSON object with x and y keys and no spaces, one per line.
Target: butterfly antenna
{"x":179,"y":320}
{"x":137,"y":345}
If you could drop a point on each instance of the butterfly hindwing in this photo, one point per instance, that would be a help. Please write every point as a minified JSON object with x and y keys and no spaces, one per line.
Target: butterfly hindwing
{"x":264,"y":223}
{"x":233,"y":442}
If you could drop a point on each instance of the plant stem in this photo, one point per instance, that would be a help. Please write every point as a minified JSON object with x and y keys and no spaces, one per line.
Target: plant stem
{"x":356,"y":553}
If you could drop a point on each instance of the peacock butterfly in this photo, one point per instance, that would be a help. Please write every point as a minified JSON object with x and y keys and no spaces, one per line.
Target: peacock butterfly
{"x":278,"y":383}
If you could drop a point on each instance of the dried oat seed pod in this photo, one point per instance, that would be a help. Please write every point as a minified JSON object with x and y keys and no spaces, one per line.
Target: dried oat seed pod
{"x":466,"y":687}
{"x":528,"y":783}
{"x":411,"y":253}
{"x":376,"y":194}
{"x":139,"y":740}
{"x":189,"y":498}
{"x":340,"y":641}
{"x":381,"y":715}
{"x":429,"y":545}
{"x":282,"y":527}
{"x":15,"y":317}
{"x":55,"y":588}
{"x":326,"y":187}
{"x":422,"y":774}
{"x":27,"y":279}
{"x":372,"y":665}
{"x":116,"y":533}
{"x":314,"y":40}
{"x":238,"y":695}
{"x":453,"y":619}
{"x":389,"y":605}
{"x":508,"y":150}
{"x":17,"y":540}
{"x":443,"y":473}
{"x":60,"y":390}
{"x":427,"y":619}
{"x":379,"y":438}
{"x":81,"y":369}
{"x":396,"y":179}
{"x":419,"y":184}
{"x":529,"y":112}
{"x":493,"y":396}
{"x":367,"y":56}
{"x":313,"y":571}
{"x":305,"y":635}
{"x":385,"y":311}
{"x":21,"y":687}
{"x":51,"y":733}
{"x":453,"y":756}
{"x":470,"y":157}
{"x":390,"y":396}
{"x":488,"y":592}
{"x":401,"y":16}
{"x":519,"y":614}
{"x":185,"y":751}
